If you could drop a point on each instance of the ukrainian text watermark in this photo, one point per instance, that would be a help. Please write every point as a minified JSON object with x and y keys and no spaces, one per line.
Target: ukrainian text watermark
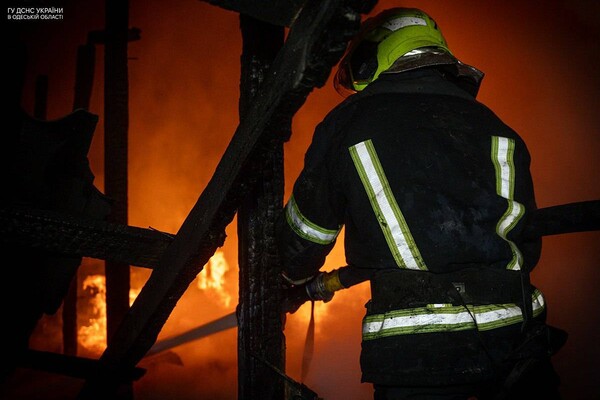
{"x":34,"y":13}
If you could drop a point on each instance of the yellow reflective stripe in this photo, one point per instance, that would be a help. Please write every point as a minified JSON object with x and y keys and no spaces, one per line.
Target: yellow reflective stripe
{"x":447,"y":318}
{"x":306,"y":229}
{"x":388,"y":214}
{"x":502,"y":157}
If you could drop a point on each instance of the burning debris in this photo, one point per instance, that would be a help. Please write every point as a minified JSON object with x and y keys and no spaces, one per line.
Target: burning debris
{"x":92,"y":329}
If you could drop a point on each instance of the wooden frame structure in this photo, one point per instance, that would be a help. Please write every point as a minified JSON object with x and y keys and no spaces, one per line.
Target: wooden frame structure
{"x":277,"y":76}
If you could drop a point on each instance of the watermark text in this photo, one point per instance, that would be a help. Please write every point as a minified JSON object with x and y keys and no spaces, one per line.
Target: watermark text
{"x":34,"y":13}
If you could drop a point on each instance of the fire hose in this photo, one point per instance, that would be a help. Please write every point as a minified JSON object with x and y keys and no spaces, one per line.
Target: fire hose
{"x":226,"y":322}
{"x":566,"y":218}
{"x":297,"y":390}
{"x":309,"y":344}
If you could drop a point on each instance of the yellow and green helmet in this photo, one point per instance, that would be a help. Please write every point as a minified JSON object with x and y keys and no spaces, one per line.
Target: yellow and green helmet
{"x":382,"y":40}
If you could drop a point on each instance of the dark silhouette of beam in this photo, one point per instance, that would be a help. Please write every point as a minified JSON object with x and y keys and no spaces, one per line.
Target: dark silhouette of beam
{"x":260,"y":328}
{"x":315,"y":43}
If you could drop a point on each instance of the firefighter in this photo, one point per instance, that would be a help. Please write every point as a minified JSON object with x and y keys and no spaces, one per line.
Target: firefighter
{"x":433,"y":191}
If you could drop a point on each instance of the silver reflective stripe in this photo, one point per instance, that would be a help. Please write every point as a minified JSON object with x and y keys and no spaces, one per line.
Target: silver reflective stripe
{"x":502,"y":156}
{"x":388,"y":214}
{"x":446,"y":319}
{"x":400,"y":22}
{"x":305,"y":228}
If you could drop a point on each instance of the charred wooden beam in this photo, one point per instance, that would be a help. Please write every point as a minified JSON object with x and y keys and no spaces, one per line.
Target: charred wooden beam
{"x":280,"y":13}
{"x":116,"y":144}
{"x":315,"y":43}
{"x":61,"y":233}
{"x":84,"y":82}
{"x":75,"y":367}
{"x":260,"y":330}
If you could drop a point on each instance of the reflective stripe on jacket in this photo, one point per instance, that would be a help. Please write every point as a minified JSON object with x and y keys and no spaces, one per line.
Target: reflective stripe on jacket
{"x":446,"y":318}
{"x":426,"y":180}
{"x":420,"y":176}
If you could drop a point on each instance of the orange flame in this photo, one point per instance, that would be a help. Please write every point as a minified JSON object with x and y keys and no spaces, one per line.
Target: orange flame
{"x":92,"y":334}
{"x":212,"y":277}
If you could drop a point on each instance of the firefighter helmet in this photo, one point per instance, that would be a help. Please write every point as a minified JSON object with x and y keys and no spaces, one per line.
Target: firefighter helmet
{"x":396,"y":40}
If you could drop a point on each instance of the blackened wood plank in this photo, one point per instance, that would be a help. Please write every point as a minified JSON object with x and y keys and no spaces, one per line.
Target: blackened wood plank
{"x":116,"y":145}
{"x":75,"y":367}
{"x":61,"y":233}
{"x":84,"y":82}
{"x":260,"y":330}
{"x":315,"y":43}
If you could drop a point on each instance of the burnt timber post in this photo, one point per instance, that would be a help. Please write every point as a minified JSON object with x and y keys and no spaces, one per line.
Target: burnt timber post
{"x":84,"y":80}
{"x":260,"y":321}
{"x":116,"y":124}
{"x":315,"y":42}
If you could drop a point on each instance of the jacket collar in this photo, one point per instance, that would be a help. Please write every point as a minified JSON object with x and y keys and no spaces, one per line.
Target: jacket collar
{"x":423,"y":80}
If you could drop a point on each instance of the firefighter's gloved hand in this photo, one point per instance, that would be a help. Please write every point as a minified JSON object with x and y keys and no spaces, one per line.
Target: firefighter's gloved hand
{"x":320,"y":287}
{"x":316,"y":290}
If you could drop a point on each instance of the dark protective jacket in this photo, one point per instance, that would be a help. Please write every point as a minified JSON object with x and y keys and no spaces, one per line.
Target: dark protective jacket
{"x":433,"y":191}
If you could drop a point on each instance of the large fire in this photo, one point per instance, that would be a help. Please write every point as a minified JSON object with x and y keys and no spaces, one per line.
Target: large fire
{"x":92,"y":332}
{"x":184,"y":91}
{"x":212,"y":277}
